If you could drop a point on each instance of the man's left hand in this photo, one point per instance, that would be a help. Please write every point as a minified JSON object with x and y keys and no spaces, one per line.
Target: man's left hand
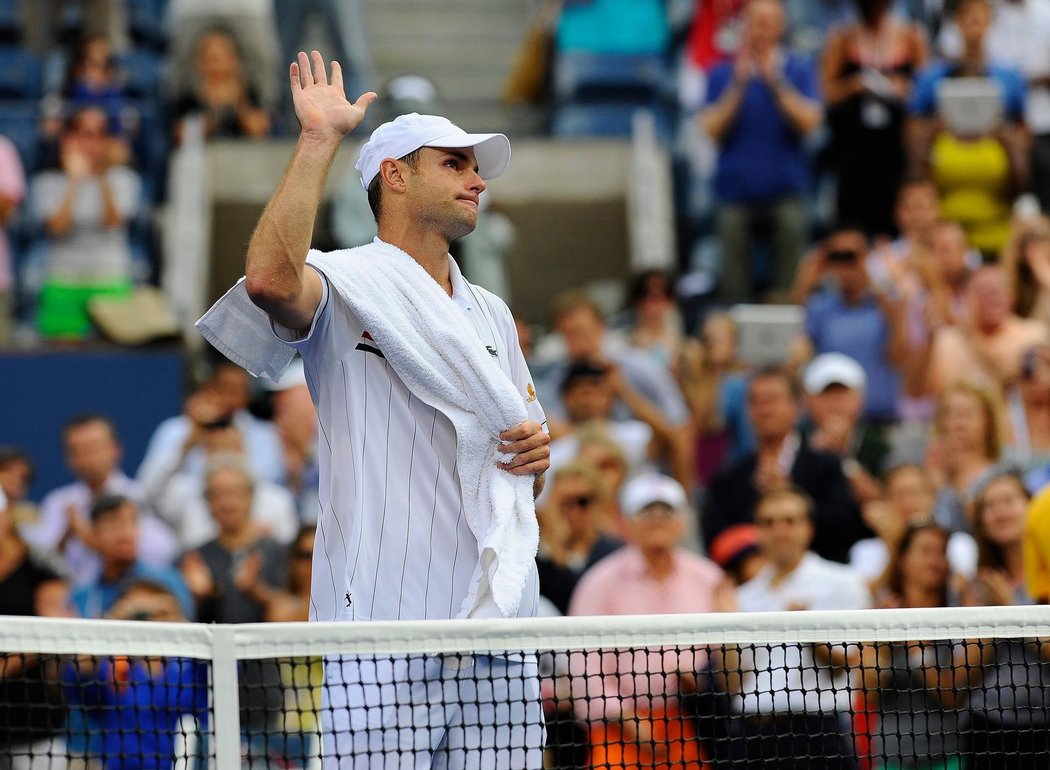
{"x":529,"y":444}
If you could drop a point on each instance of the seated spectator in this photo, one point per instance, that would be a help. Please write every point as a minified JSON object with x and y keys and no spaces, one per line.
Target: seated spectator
{"x":93,"y":80}
{"x":16,"y":476}
{"x":794,"y":697}
{"x":600,"y":450}
{"x":866,"y":73}
{"x":1026,"y":260}
{"x":714,"y":382}
{"x":964,"y":451}
{"x":93,"y":453}
{"x":849,"y":314}
{"x":31,"y":707}
{"x":637,"y":721}
{"x":908,"y":501}
{"x":291,"y":603}
{"x":12,"y":191}
{"x":84,"y":208}
{"x":116,"y":534}
{"x":759,"y":108}
{"x":736,"y":551}
{"x":978,"y":176}
{"x":654,"y":324}
{"x":178,"y":444}
{"x":835,"y":387}
{"x":232,"y":579}
{"x":990,"y":346}
{"x":1028,"y":415}
{"x":185,"y":505}
{"x":1000,"y":511}
{"x":1007,"y":679}
{"x":588,"y":393}
{"x":782,"y":459}
{"x":574,"y":531}
{"x":221,"y":93}
{"x":581,"y":335}
{"x":135,"y":704}
{"x":911,"y":686}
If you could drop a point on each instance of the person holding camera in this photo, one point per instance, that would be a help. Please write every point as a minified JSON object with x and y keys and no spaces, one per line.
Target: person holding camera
{"x":847,"y":312}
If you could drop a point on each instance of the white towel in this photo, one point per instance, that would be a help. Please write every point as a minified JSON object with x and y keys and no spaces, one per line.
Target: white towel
{"x":435,"y":351}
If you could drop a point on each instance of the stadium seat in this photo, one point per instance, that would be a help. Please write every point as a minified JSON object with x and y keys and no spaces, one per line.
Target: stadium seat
{"x":19,"y":122}
{"x":146,"y":19}
{"x":21,"y":74}
{"x":580,"y":76}
{"x":143,"y":70}
{"x":610,"y":119}
{"x":10,"y":24}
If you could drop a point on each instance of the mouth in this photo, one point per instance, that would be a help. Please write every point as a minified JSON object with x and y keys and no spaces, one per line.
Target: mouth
{"x":472,"y":201}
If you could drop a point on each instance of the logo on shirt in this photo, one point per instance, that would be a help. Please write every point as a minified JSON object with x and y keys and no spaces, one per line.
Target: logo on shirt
{"x":368,"y":345}
{"x":492,"y":351}
{"x":531,"y":391}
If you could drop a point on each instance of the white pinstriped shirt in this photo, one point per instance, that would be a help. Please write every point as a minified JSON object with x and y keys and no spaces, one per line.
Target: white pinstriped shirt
{"x":392,"y":537}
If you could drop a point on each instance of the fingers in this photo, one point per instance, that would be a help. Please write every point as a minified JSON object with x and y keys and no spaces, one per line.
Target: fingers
{"x":320,"y":76}
{"x":535,"y":461}
{"x":522,"y":429}
{"x":305,"y":76}
{"x":366,"y":99}
{"x":527,"y":444}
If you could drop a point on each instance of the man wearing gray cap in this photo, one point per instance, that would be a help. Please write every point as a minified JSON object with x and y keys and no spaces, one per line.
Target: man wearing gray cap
{"x":432,"y":441}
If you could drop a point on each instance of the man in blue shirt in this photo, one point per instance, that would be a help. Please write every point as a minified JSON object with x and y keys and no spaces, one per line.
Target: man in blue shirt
{"x":758,"y":110}
{"x":115,"y":535}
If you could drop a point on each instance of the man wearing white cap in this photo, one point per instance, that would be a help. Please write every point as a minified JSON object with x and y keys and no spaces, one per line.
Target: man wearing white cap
{"x":403,"y":527}
{"x":835,"y":386}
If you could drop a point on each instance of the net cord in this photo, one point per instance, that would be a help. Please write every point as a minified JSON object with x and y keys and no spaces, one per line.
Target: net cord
{"x":274,"y":640}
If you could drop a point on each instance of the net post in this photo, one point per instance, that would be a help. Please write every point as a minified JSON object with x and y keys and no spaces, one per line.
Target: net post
{"x":226,"y":704}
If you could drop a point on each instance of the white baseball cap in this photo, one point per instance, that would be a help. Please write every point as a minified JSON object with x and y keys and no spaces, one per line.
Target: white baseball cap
{"x":648,"y":488}
{"x":408,"y":133}
{"x":831,"y":369}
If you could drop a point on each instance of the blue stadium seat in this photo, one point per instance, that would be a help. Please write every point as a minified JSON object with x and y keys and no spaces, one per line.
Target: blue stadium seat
{"x":10,"y":24}
{"x":611,"y":119}
{"x":20,"y":122}
{"x":21,"y":74}
{"x":581,"y":76}
{"x":143,"y":70}
{"x":146,"y":19}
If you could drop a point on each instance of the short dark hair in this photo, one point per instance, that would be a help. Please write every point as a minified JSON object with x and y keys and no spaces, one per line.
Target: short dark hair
{"x":792,"y":492}
{"x":375,"y":187}
{"x":776,"y":372}
{"x":86,"y":418}
{"x":106,"y":504}
{"x":12,"y":455}
{"x":582,"y":370}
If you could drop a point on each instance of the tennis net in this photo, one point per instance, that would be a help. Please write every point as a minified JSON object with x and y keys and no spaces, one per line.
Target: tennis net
{"x":933,"y":688}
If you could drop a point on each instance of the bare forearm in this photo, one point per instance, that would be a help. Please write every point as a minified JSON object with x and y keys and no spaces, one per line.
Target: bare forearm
{"x":111,"y":216}
{"x":716,"y":119}
{"x":61,"y":221}
{"x":803,"y":114}
{"x":276,"y":261}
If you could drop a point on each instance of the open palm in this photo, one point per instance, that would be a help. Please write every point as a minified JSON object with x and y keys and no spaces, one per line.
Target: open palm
{"x":322,"y":107}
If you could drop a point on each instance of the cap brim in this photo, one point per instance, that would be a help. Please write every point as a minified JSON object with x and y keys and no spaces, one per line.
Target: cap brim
{"x":492,"y":151}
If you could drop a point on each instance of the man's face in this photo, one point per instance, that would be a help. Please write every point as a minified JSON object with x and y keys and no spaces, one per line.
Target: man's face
{"x":657,"y":527}
{"x":949,"y":248}
{"x":230,"y":387}
{"x":92,"y":452}
{"x":846,"y":252}
{"x":117,"y":534}
{"x":578,"y":505}
{"x":836,"y":401}
{"x":588,"y":398}
{"x":764,"y":24}
{"x":444,"y":190}
{"x":15,"y":478}
{"x":582,"y":331}
{"x":988,"y":297}
{"x":229,"y":496}
{"x":973,"y":20}
{"x":771,"y":407}
{"x":918,"y":209}
{"x":784,"y":530}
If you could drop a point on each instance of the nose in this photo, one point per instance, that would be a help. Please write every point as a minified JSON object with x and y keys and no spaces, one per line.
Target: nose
{"x":476,"y":182}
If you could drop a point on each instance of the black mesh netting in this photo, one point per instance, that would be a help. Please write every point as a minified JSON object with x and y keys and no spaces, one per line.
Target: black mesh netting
{"x":941,"y":704}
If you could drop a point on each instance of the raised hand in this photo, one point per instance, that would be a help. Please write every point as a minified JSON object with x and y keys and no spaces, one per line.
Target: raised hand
{"x":322,"y":107}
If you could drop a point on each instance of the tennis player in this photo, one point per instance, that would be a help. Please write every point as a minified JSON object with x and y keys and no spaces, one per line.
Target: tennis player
{"x":394,"y":539}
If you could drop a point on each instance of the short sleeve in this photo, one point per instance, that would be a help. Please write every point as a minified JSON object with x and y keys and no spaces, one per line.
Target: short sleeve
{"x":804,"y":79}
{"x":716,"y":84}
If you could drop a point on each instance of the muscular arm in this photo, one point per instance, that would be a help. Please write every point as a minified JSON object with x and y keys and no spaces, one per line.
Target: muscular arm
{"x":277,"y":278}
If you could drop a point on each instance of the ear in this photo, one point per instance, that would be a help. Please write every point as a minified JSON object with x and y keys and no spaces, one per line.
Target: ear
{"x":392,"y":176}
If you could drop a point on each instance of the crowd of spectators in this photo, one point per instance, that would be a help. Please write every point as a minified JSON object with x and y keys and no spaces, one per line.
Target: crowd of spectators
{"x":895,"y":454}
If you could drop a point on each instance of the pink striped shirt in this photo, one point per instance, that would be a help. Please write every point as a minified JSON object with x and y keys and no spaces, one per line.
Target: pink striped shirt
{"x":12,"y":187}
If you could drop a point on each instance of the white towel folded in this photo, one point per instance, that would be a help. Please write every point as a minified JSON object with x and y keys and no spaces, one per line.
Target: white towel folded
{"x":433,"y":348}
